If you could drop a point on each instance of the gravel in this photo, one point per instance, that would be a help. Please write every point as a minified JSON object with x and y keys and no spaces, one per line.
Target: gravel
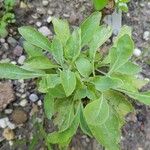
{"x":33,"y":97}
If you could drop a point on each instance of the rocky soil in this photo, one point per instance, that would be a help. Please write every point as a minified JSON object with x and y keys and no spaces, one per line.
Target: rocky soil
{"x":25,"y":104}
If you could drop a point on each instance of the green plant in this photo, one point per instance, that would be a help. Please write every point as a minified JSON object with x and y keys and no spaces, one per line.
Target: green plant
{"x":120,"y":4}
{"x":6,"y":17}
{"x":83,"y":86}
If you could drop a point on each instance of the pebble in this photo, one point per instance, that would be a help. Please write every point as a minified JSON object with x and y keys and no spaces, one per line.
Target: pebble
{"x":5,"y":47}
{"x":8,"y":134}
{"x":137,"y":52}
{"x":45,"y":31}
{"x":23,"y":5}
{"x":45,"y":2}
{"x":21,"y":59}
{"x":38,"y":24}
{"x":12,"y":41}
{"x":49,"y":12}
{"x":72,"y":18}
{"x":39,"y":103}
{"x":146,"y":35}
{"x":8,"y":111}
{"x":41,"y":11}
{"x":49,"y":19}
{"x":23,"y":103}
{"x":18,"y":50}
{"x":2,"y":40}
{"x":4,"y":122}
{"x":33,"y":97}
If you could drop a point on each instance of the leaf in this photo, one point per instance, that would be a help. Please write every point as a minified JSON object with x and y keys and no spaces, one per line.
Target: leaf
{"x":57,"y":51}
{"x":61,"y":29}
{"x":47,"y":82}
{"x":101,"y":35}
{"x":99,"y":4}
{"x":105,"y":83}
{"x":68,"y":80}
{"x":31,"y":50}
{"x":11,"y":71}
{"x":89,"y":26}
{"x":39,"y":62}
{"x":34,"y":37}
{"x":108,"y":133}
{"x":129,"y":68}
{"x":97,"y":111}
{"x":73,"y":45}
{"x":49,"y":105}
{"x":84,"y":66}
{"x":121,"y":54}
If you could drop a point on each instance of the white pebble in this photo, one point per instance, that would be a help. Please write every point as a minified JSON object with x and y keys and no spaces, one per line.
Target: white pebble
{"x":45,"y":31}
{"x":4,"y":122}
{"x":39,"y":103}
{"x":137,"y":52}
{"x":146,"y":35}
{"x":33,"y":97}
{"x":11,"y":143}
{"x":11,"y":125}
{"x":8,"y":111}
{"x":38,"y":24}
{"x":45,"y":2}
{"x":23,"y":103}
{"x":49,"y":19}
{"x":21,"y":60}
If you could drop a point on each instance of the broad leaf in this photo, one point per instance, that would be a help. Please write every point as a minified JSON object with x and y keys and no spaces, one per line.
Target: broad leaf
{"x":31,"y":50}
{"x":84,"y":66}
{"x":121,"y":54}
{"x":99,"y":4}
{"x":49,"y":105}
{"x":34,"y":37}
{"x":68,"y":80}
{"x":73,"y":45}
{"x":11,"y":71}
{"x":57,"y":51}
{"x":97,"y":112}
{"x":105,"y":83}
{"x":61,"y":29}
{"x":89,"y":27}
{"x":39,"y":62}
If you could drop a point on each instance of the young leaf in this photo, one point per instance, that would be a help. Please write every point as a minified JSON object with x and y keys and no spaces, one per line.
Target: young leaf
{"x":34,"y":37}
{"x":89,"y":26}
{"x":61,"y":29}
{"x":121,"y":54}
{"x":11,"y":71}
{"x":84,"y":66}
{"x":68,"y":80}
{"x":49,"y":105}
{"x":99,"y":4}
{"x":31,"y":50}
{"x":40,"y":62}
{"x":105,"y":83}
{"x":57,"y":51}
{"x":73,"y":45}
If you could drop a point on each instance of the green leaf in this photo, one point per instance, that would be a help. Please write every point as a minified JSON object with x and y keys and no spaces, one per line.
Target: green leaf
{"x":11,"y":71}
{"x":73,"y":45}
{"x":84,"y":66}
{"x":68,"y":80}
{"x":97,"y":111}
{"x":99,"y":4}
{"x":34,"y":37}
{"x":105,"y":83}
{"x":121,"y":54}
{"x":61,"y":29}
{"x":39,"y":62}
{"x":57,"y":51}
{"x":49,"y":105}
{"x":31,"y":50}
{"x":129,"y":68}
{"x":89,"y":27}
{"x":101,"y":35}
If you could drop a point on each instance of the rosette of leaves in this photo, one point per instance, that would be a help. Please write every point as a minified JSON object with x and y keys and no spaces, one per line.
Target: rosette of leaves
{"x":83,"y":87}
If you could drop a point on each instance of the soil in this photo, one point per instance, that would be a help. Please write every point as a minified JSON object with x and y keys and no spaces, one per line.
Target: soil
{"x":136,"y":132}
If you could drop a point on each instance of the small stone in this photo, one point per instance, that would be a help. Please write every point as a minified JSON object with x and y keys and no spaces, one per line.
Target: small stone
{"x":23,"y":5}
{"x":12,"y":41}
{"x":34,"y":110}
{"x":45,"y":31}
{"x":38,"y":24}
{"x":45,"y":2}
{"x":2,"y":40}
{"x":39,"y":103}
{"x":140,"y":148}
{"x":3,"y":122}
{"x":137,"y":52}
{"x":11,"y":143}
{"x":23,"y":103}
{"x":8,"y":111}
{"x":5,"y":47}
{"x":21,"y":59}
{"x":49,"y":12}
{"x":19,"y":116}
{"x":41,"y":11}
{"x":33,"y":97}
{"x":18,"y":50}
{"x":8,"y":134}
{"x":73,"y":19}
{"x":11,"y":125}
{"x":146,"y":35}
{"x":49,"y":19}
{"x":13,"y":62}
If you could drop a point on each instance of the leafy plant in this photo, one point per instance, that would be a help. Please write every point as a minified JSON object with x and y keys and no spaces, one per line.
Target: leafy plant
{"x":6,"y":17}
{"x":83,"y":87}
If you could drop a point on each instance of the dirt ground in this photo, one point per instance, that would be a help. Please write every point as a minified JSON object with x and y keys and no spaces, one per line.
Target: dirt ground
{"x":136,"y":132}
